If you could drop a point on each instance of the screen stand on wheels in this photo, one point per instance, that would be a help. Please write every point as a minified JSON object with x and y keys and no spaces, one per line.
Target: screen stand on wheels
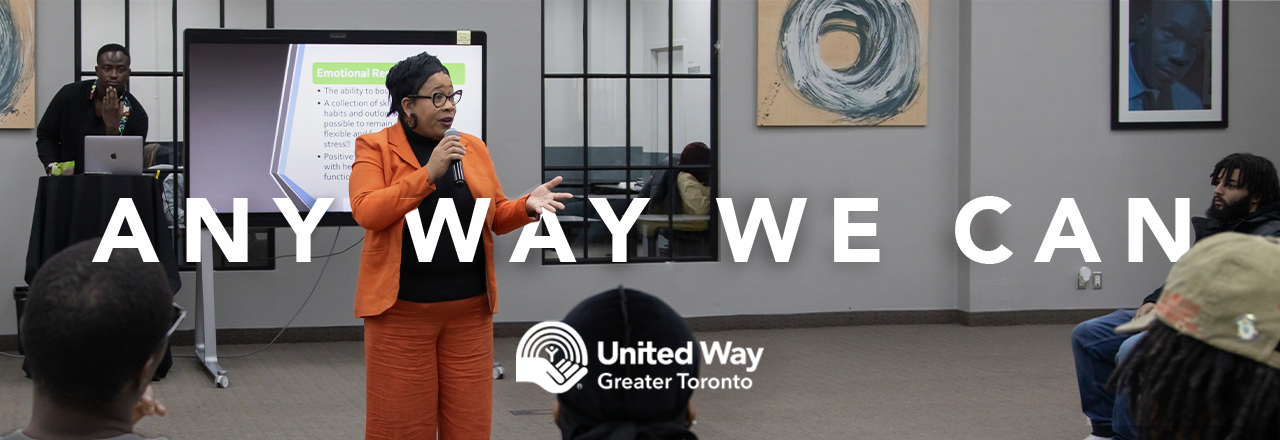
{"x":206,"y":330}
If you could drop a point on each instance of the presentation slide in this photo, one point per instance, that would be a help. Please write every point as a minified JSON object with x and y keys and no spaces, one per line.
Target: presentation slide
{"x":281,"y":120}
{"x":337,"y":93}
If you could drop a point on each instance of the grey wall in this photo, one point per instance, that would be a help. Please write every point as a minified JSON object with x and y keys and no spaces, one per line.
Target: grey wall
{"x":21,"y":169}
{"x":1017,"y":108}
{"x":1040,"y":132}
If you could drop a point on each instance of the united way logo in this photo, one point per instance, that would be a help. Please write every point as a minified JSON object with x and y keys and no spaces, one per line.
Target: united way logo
{"x":552,"y":355}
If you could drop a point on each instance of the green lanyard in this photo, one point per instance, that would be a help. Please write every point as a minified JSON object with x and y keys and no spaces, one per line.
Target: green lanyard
{"x":124,"y":103}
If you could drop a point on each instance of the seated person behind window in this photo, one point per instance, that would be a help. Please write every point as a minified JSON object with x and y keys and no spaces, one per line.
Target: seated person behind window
{"x":160,"y":157}
{"x":694,"y":185}
{"x":94,"y":334}
{"x":590,"y":412}
{"x":655,"y":189}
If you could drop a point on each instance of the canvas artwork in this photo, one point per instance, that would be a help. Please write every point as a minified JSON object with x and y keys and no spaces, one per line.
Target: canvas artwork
{"x":843,"y":62}
{"x":17,"y":64}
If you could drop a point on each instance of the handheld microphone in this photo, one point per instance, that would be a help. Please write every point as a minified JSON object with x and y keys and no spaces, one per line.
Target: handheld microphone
{"x":457,"y":164}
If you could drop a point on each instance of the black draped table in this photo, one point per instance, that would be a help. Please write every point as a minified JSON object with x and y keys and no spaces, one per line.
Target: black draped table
{"x":72,"y":209}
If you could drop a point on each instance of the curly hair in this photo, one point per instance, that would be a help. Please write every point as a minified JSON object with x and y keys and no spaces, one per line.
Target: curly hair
{"x":1257,"y":174}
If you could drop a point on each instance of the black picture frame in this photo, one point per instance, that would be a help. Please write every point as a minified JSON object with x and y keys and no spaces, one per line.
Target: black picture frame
{"x":1203,"y":75}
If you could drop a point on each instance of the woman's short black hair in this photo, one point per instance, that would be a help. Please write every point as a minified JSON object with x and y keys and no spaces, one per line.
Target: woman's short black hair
{"x":408,"y":75}
{"x":88,"y":328}
{"x":697,"y":153}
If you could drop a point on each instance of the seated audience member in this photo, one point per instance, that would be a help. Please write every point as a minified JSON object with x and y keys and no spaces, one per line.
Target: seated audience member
{"x":94,"y":334}
{"x":695,"y":184}
{"x":161,"y":156}
{"x":657,"y":190}
{"x":1246,"y":199}
{"x":628,"y":316}
{"x":1209,"y":367}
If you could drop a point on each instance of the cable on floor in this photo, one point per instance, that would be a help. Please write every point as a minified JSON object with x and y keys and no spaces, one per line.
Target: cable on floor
{"x":361,"y":240}
{"x":295,"y":314}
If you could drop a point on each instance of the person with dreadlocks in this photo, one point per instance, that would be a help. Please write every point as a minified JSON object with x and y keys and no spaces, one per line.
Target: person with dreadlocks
{"x":1209,"y":366}
{"x":1246,"y":199}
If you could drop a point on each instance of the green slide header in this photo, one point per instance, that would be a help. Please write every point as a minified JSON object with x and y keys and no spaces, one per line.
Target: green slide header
{"x":370,"y":73}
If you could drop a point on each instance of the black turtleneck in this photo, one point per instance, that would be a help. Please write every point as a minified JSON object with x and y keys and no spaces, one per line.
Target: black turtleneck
{"x":444,"y":278}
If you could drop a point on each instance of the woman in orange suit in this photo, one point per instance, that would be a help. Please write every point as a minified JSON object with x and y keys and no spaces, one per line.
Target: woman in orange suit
{"x":428,"y":326}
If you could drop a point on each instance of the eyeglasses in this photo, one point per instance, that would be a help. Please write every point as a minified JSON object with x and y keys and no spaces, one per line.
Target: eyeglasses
{"x":178,"y":314}
{"x":439,"y":98}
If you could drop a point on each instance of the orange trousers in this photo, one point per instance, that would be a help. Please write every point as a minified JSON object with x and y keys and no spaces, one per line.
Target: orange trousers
{"x":429,"y":366}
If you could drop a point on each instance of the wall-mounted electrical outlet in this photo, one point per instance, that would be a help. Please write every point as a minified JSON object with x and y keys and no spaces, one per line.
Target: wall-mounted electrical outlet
{"x":1097,"y":280}
{"x":1082,"y":278}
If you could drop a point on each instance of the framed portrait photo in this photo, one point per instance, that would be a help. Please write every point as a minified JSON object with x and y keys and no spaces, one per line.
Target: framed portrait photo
{"x":1168,"y":64}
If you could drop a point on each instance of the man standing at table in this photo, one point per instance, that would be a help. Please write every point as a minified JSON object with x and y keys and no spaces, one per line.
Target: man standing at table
{"x":101,"y":106}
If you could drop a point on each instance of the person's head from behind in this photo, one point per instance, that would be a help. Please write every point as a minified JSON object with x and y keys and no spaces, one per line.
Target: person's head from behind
{"x":1168,"y":36}
{"x":1242,"y":183}
{"x":94,"y":333}
{"x":112,"y":69}
{"x":629,"y":317}
{"x":422,"y":95}
{"x":1208,"y":367}
{"x":697,"y":153}
{"x":156,"y":154}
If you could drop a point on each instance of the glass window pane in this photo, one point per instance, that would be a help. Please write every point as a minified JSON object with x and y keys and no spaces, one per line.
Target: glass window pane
{"x":690,"y":112}
{"x":155,"y":94}
{"x":652,"y":229}
{"x":195,"y":14}
{"x":150,"y":35}
{"x":691,"y":32}
{"x":101,"y":22}
{"x":613,"y":187}
{"x":649,"y":38}
{"x":562,"y":35}
{"x":572,"y":183}
{"x":573,"y":216}
{"x":631,"y":122}
{"x":610,"y":184}
{"x":649,"y":132}
{"x":607,"y":36}
{"x":573,"y":232}
{"x":562,"y":121}
{"x":246,"y":14}
{"x":607,"y":124}
{"x":686,"y":242}
{"x":655,"y":186}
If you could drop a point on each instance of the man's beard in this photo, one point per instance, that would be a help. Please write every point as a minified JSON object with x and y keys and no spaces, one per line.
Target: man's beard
{"x":1230,"y":211}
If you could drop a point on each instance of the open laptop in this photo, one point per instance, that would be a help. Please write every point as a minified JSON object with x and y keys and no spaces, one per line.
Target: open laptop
{"x":113,"y":155}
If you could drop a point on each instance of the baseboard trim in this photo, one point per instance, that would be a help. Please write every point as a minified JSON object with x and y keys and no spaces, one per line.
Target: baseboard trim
{"x":9,"y":343}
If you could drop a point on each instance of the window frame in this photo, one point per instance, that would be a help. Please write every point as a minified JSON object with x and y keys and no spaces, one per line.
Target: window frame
{"x":175,"y":74}
{"x":713,"y":76}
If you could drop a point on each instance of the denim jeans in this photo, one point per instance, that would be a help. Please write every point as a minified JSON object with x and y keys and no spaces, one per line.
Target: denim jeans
{"x":1121,"y":423}
{"x":1095,"y":345}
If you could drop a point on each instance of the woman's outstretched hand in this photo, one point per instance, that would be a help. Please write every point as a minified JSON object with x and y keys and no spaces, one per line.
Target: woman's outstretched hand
{"x":542,"y":198}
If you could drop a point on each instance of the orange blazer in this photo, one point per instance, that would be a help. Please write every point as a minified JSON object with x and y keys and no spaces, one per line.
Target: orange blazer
{"x":387,"y":183}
